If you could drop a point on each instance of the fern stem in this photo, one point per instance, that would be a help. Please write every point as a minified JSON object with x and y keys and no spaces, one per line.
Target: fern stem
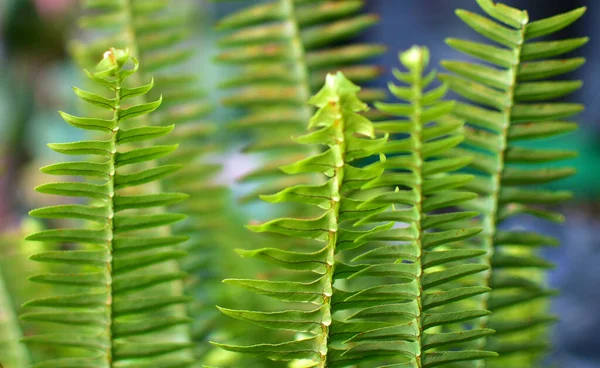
{"x":490,"y":222}
{"x":300,"y":67}
{"x":111,"y":213}
{"x":417,"y":88}
{"x":132,"y":36}
{"x":11,"y":329}
{"x":339,"y":151}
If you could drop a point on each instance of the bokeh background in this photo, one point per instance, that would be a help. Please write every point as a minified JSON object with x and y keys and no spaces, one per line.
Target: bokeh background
{"x":36,"y":74}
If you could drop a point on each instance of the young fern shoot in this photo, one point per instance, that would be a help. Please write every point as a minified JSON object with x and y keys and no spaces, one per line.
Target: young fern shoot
{"x":323,"y":335}
{"x":511,"y":100}
{"x":423,"y":189}
{"x":107,"y":314}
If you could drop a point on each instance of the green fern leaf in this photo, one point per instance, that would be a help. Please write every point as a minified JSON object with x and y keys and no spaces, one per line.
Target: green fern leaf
{"x":279,"y":53}
{"x":105,"y":274}
{"x":509,"y":100}
{"x":324,"y":337}
{"x":157,"y":33}
{"x":430,"y":248}
{"x":14,"y":354}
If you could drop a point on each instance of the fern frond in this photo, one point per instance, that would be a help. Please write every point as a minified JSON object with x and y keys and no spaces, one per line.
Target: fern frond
{"x":13,"y":352}
{"x":277,"y":62}
{"x":510,"y":99}
{"x":282,"y":50}
{"x":156,"y":36}
{"x":148,"y":28}
{"x":109,"y":271}
{"x":424,"y":187}
{"x":157,"y":33}
{"x":322,"y":336}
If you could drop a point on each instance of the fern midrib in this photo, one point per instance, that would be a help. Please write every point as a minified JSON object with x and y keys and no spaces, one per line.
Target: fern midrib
{"x":111,"y":216}
{"x":336,"y":198}
{"x":133,"y":43}
{"x":490,"y":223}
{"x":417,"y":87}
{"x":300,"y":65}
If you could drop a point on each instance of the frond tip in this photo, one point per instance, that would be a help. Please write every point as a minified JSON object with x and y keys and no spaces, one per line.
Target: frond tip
{"x":107,"y":265}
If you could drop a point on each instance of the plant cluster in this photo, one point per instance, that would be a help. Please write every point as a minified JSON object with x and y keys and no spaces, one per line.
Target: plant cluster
{"x":391,"y":250}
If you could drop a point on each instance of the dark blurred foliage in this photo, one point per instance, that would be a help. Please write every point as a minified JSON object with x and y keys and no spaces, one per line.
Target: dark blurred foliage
{"x":36,"y":74}
{"x":26,"y":32}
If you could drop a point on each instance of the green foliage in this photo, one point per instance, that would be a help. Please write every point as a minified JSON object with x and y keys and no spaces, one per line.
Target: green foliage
{"x":402,"y":262}
{"x":113,"y":287}
{"x":278,"y":53}
{"x":143,"y":26}
{"x":430,"y":245}
{"x":157,"y":32}
{"x":322,"y":338}
{"x":156,"y":35}
{"x":513,"y":100}
{"x":15,"y":269}
{"x":13,"y":353}
{"x":283,"y":49}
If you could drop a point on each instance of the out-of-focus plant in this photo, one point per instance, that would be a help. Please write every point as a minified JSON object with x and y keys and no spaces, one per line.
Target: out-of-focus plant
{"x":384,"y":262}
{"x":157,"y":33}
{"x":279,"y":52}
{"x":509,"y":100}
{"x":12,"y":265}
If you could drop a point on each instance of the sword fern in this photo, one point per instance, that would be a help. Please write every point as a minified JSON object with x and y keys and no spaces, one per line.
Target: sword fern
{"x":157,"y":32}
{"x":511,"y":99}
{"x":109,"y":274}
{"x":423,"y":188}
{"x":281,"y":51}
{"x":321,"y":339}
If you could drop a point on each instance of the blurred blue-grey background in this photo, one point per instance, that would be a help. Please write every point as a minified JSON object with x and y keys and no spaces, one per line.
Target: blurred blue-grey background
{"x":36,"y":74}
